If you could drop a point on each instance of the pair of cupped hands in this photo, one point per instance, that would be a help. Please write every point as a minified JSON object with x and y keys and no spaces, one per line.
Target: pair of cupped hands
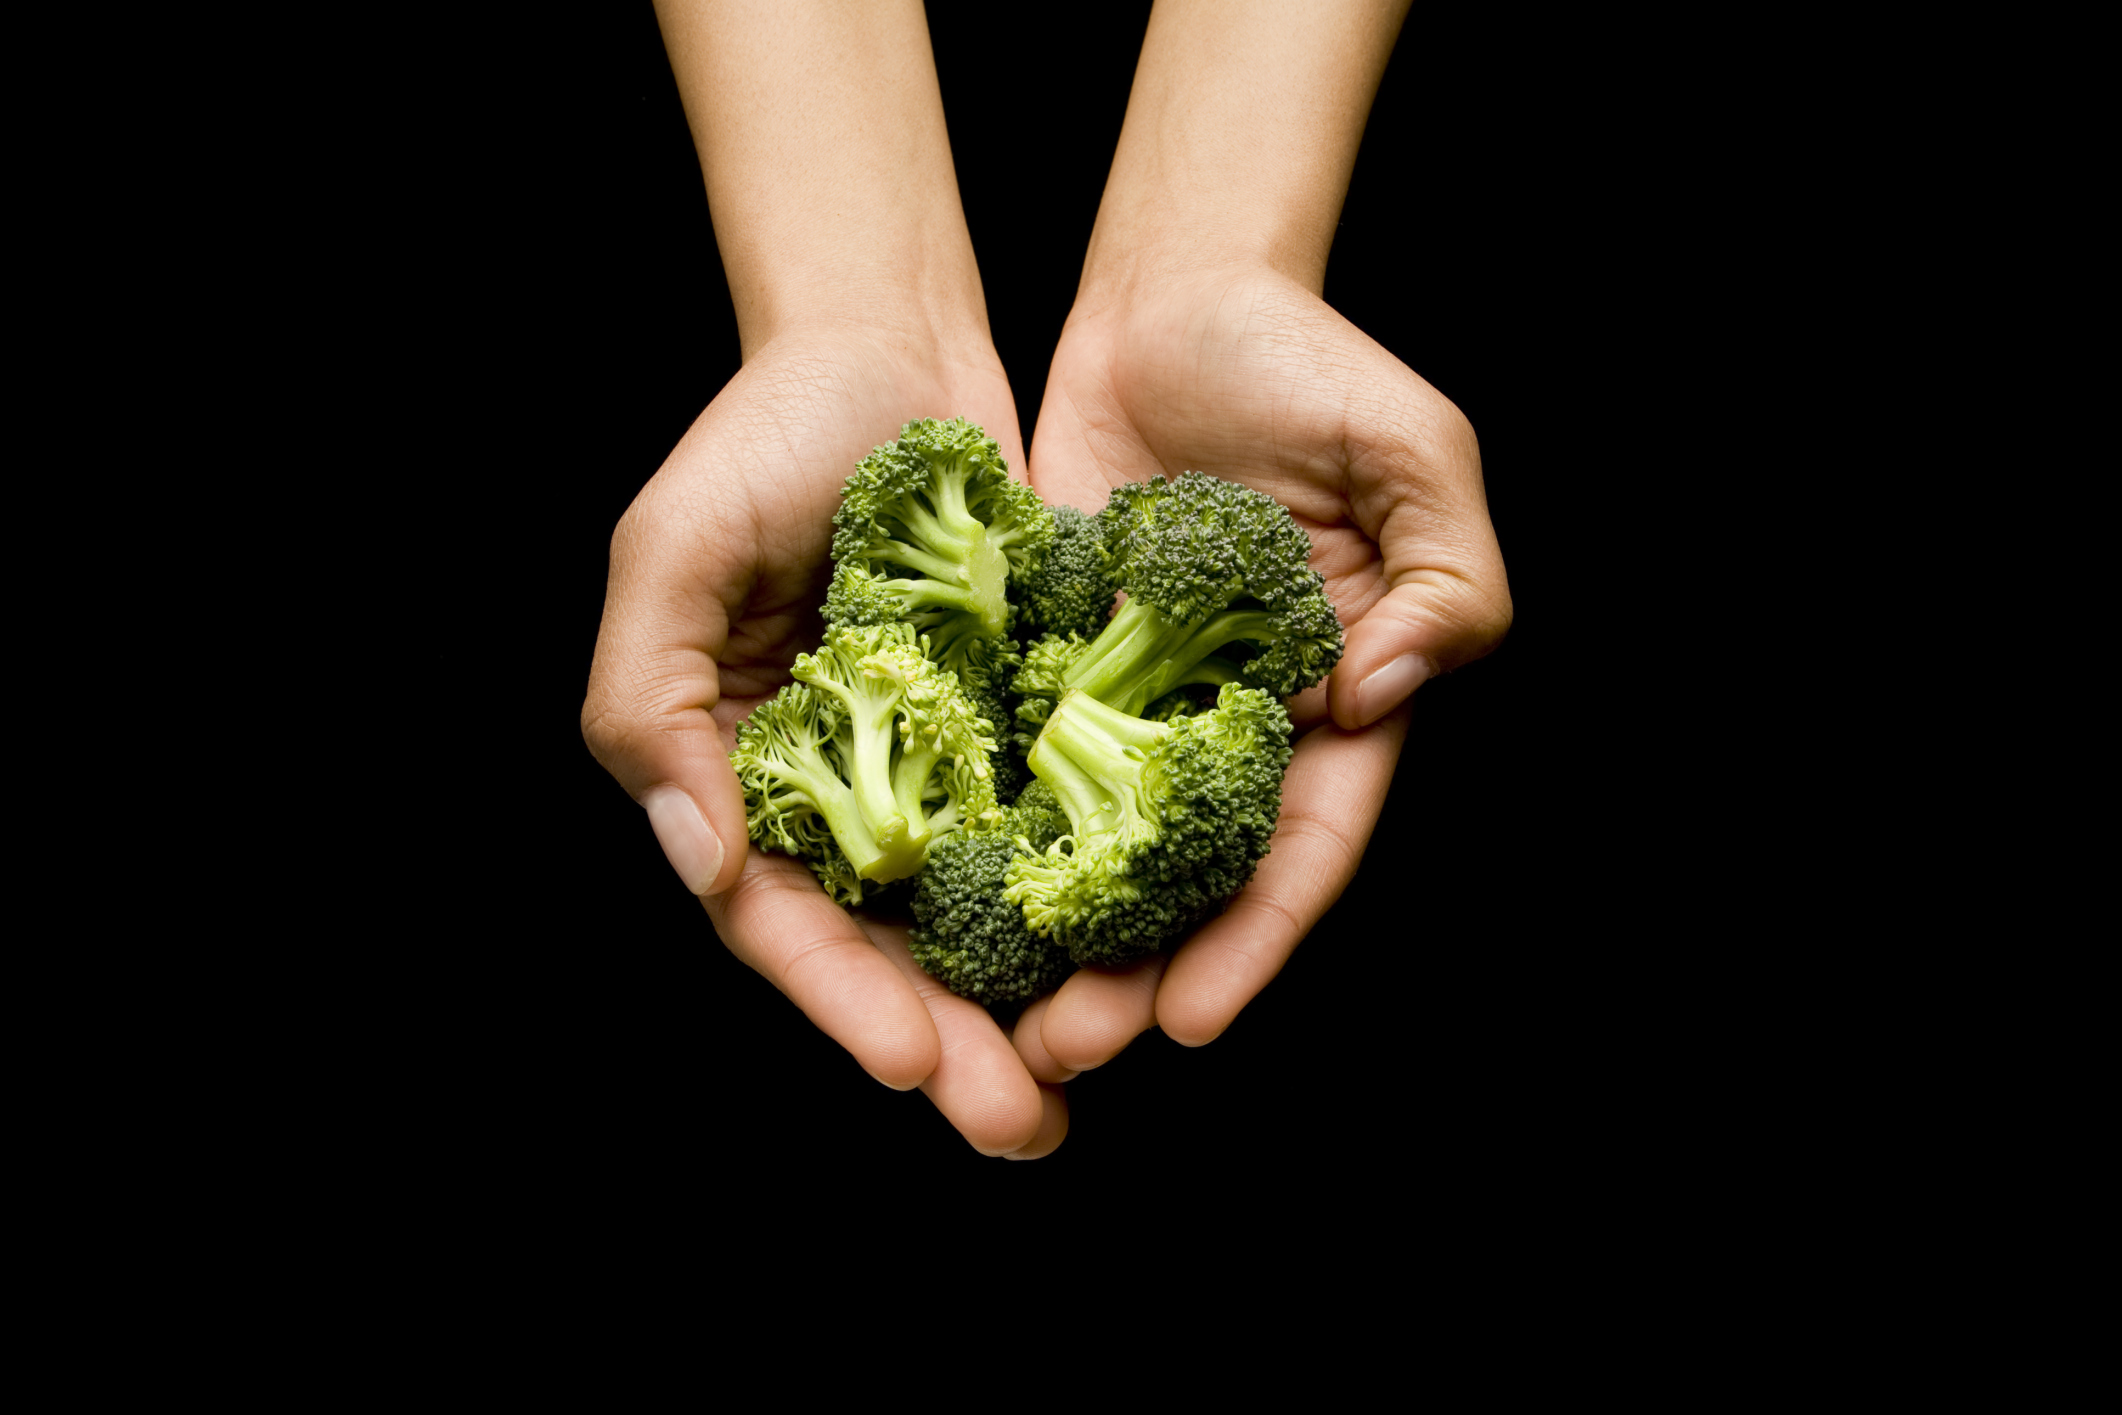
{"x":720,"y":565}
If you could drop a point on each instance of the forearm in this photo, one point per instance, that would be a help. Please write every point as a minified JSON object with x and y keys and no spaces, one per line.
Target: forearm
{"x":1241,"y":132}
{"x":821,"y":136}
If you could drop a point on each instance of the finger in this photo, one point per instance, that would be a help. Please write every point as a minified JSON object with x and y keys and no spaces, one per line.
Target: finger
{"x":1098,"y":1012}
{"x":979,"y":1084}
{"x":1308,"y":709}
{"x":648,"y":715}
{"x":779,"y":922}
{"x":1415,"y":485}
{"x":1031,"y":1047}
{"x":1331,"y":797}
{"x":1429,"y":622}
{"x":1053,"y":1126}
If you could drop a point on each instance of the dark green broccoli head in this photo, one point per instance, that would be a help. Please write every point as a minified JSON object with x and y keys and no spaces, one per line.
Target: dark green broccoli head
{"x":1198,"y":544}
{"x":874,"y":752}
{"x":1072,"y":591}
{"x":967,"y":935}
{"x":1220,"y":590}
{"x":986,"y":668}
{"x":1167,"y":820}
{"x":931,"y":531}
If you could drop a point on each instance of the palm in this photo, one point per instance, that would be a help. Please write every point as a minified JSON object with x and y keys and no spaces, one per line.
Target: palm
{"x":1236,"y":382}
{"x":744,"y":506}
{"x":1253,"y":378}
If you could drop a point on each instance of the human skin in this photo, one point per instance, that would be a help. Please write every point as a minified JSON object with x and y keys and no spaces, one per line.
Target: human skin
{"x":1199,"y":341}
{"x":858,"y":308}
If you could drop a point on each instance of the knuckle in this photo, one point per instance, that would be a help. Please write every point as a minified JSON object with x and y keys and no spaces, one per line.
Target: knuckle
{"x":604,"y":731}
{"x":1271,"y":912}
{"x":1453,"y":432}
{"x":1324,"y":838}
{"x":1484,"y":615}
{"x":616,"y":736}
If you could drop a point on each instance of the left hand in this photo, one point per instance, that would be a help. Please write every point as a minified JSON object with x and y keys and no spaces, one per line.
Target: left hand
{"x":1246,"y":374}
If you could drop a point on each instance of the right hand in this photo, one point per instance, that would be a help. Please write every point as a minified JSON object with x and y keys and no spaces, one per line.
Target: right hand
{"x":717,"y":572}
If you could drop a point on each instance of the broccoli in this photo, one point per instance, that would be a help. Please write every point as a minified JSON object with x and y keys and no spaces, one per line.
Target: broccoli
{"x":1039,"y":682}
{"x":985,"y":669}
{"x":867,"y":757}
{"x":967,"y":934}
{"x":1166,"y":820}
{"x":932,"y":532}
{"x":1071,"y":593}
{"x":1220,"y":590}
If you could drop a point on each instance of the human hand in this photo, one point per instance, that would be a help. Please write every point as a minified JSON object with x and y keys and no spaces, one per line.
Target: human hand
{"x":717,"y":572}
{"x":859,"y":308}
{"x":1246,"y":373}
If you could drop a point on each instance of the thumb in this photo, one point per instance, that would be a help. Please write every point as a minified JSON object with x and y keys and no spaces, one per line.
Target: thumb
{"x":1448,"y":600}
{"x":648,"y":718}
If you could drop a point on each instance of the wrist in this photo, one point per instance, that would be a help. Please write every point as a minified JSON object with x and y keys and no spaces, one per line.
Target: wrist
{"x":949,"y":346}
{"x":1122,"y":279}
{"x":1159,"y":291}
{"x":1218,"y":169}
{"x":925,"y":289}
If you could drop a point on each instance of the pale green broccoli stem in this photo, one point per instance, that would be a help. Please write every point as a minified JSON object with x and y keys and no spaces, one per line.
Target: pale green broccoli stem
{"x":950,"y":638}
{"x":832,"y":798}
{"x":921,"y":593}
{"x":959,"y":550}
{"x":919,"y":749}
{"x":987,"y":574}
{"x":936,"y":567}
{"x":1213,"y":671}
{"x":1092,"y":755}
{"x":950,"y":502}
{"x":901,"y":842}
{"x":1144,"y":653}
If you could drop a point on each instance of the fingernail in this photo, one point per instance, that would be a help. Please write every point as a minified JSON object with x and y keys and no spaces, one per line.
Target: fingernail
{"x":691,"y":848}
{"x":1387,"y":688}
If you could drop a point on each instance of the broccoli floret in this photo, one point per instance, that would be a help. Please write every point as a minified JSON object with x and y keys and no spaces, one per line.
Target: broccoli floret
{"x":1072,"y":591}
{"x":967,"y":934}
{"x":1166,"y":820}
{"x":872,"y":753}
{"x":1219,"y":591}
{"x":932,"y":532}
{"x":1039,"y":682}
{"x":985,"y":669}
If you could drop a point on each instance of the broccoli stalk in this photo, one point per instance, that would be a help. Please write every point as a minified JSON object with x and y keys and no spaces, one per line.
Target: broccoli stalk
{"x":1145,"y":653}
{"x":1091,"y":757}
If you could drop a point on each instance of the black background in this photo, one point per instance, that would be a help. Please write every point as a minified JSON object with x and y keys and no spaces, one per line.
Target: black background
{"x":555,"y":1003}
